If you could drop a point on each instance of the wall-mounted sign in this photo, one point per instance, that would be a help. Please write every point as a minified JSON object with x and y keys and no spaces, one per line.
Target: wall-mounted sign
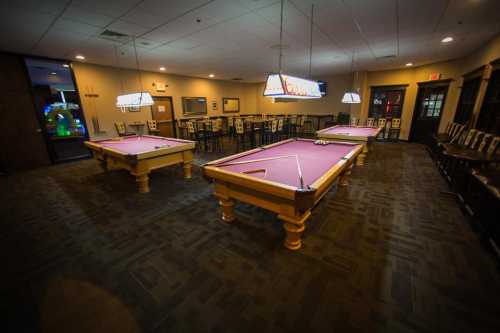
{"x":160,"y":86}
{"x":214,"y":105}
{"x":161,"y":108}
{"x":434,"y":76}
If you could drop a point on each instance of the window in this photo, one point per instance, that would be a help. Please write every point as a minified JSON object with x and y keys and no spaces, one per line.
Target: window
{"x":431,"y":105}
{"x":386,"y":102}
{"x":489,"y":117}
{"x":467,"y":99}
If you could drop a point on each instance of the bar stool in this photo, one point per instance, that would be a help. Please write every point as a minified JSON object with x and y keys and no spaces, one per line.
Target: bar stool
{"x":381,"y":124}
{"x":240,"y":134}
{"x":153,"y":127}
{"x":395,"y":129}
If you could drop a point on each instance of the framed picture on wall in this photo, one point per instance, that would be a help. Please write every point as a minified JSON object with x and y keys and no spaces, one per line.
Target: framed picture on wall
{"x":230,"y":105}
{"x":194,"y":105}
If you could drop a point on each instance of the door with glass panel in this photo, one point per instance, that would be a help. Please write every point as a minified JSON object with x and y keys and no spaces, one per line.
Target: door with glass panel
{"x":428,"y":109}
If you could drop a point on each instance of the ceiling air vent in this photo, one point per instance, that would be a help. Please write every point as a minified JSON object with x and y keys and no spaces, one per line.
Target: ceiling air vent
{"x":114,"y":36}
{"x":386,"y":57}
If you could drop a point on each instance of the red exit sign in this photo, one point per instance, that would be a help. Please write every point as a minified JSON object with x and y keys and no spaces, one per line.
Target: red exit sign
{"x":434,"y":76}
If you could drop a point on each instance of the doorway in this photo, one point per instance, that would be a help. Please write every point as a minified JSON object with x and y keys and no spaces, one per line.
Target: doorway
{"x":430,"y":102}
{"x":163,"y":112}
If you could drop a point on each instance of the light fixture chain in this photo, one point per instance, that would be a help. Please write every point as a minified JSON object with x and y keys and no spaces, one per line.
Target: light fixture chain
{"x":311,"y":42}
{"x":281,"y":35}
{"x":138,"y":68}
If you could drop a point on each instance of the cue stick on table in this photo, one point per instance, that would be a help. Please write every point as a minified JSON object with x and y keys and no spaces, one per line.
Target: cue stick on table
{"x":300,"y":172}
{"x":254,"y":161}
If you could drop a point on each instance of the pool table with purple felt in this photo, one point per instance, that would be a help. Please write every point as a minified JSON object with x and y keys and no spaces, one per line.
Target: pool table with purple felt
{"x":141,"y":154}
{"x":359,"y":134}
{"x":288,"y":178}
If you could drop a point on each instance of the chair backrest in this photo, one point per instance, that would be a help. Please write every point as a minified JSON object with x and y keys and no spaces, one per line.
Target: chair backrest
{"x":396,"y":123}
{"x":190,"y":127}
{"x":230,"y":122}
{"x":477,"y":140}
{"x":354,"y":121}
{"x":293,"y":120}
{"x":152,"y":125}
{"x":214,"y":125}
{"x":302,"y":120}
{"x":274,"y":125}
{"x":370,"y":122}
{"x":447,"y":129}
{"x":486,"y":140}
{"x":121,"y":129}
{"x":470,"y":136}
{"x":280,"y":125}
{"x":219,"y":123}
{"x":238,"y":124}
{"x":457,"y":128}
{"x":492,"y":149}
{"x":458,"y":134}
{"x":382,"y":122}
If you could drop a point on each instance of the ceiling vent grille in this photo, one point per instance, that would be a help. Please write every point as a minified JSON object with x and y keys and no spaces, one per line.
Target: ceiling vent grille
{"x":115,"y":36}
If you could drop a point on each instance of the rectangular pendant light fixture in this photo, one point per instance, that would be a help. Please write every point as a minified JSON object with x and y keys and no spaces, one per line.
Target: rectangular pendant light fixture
{"x":286,"y":86}
{"x":134,"y":100}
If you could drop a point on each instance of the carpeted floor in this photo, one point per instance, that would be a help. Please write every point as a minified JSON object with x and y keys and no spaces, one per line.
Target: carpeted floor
{"x":82,"y":251}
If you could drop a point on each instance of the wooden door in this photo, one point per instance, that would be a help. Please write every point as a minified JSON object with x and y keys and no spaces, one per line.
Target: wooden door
{"x":22,"y":143}
{"x":428,"y":109}
{"x":163,"y":112}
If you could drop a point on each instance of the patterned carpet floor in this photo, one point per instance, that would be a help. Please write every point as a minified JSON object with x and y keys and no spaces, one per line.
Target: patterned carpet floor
{"x":82,"y":251}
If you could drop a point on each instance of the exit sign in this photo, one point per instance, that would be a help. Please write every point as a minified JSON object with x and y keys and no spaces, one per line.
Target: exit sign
{"x":434,"y":76}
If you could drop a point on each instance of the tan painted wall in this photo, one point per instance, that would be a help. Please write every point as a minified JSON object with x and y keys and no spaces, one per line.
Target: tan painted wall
{"x":106,"y":82}
{"x":328,"y":105}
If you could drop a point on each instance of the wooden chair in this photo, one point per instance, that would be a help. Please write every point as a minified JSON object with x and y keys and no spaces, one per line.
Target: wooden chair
{"x":395,"y":129}
{"x":279,"y":129}
{"x":307,"y":126}
{"x":216,"y":135}
{"x":370,"y":122}
{"x":121,"y":129}
{"x":153,"y":127}
{"x":353,"y":122}
{"x":240,"y":134}
{"x":381,"y":123}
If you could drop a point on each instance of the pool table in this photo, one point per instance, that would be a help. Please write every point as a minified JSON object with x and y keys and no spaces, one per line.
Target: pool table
{"x":358,"y":134}
{"x":288,"y":178}
{"x":140,"y":154}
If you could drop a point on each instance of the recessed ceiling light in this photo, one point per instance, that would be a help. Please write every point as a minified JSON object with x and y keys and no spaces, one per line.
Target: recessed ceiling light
{"x":409,"y":64}
{"x":162,"y":68}
{"x":447,"y":39}
{"x":80,"y":57}
{"x":53,"y":73}
{"x":66,"y":65}
{"x":211,"y":75}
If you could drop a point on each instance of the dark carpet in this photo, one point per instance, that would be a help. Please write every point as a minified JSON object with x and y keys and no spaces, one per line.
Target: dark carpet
{"x":82,"y":251}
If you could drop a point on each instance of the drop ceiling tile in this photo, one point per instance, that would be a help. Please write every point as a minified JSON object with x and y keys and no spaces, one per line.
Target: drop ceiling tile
{"x":83,"y":15}
{"x":127,"y":28}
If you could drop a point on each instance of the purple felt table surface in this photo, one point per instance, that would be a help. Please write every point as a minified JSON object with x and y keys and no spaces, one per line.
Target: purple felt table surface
{"x":351,"y":131}
{"x":139,"y":144}
{"x":315,"y":160}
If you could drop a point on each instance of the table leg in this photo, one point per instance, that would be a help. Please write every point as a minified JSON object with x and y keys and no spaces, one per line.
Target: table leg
{"x":143,"y":182}
{"x":227,"y":210}
{"x":362,"y":156}
{"x":344,"y":178}
{"x":187,"y":170}
{"x":294,"y":227}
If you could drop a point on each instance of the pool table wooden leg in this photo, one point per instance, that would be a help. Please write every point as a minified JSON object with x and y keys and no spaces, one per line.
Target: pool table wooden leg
{"x":294,"y":227}
{"x":187,"y":170}
{"x":344,"y":178}
{"x":143,"y":182}
{"x":360,"y":160}
{"x":227,"y":210}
